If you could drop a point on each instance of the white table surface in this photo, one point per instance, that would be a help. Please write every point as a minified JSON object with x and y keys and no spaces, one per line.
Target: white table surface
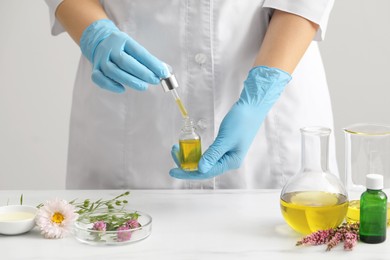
{"x":187,"y":224}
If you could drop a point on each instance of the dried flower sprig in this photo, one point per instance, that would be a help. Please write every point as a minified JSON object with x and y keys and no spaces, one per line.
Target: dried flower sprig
{"x":346,"y":232}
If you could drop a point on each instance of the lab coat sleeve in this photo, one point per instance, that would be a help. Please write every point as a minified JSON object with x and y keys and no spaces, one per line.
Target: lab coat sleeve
{"x":56,"y":27}
{"x":317,"y":11}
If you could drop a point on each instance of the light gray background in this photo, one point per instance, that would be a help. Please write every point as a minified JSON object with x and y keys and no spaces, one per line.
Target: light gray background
{"x":37,"y":72}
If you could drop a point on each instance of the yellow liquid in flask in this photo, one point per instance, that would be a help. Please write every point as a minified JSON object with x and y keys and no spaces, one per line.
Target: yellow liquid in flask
{"x":190,"y":153}
{"x":310,"y":211}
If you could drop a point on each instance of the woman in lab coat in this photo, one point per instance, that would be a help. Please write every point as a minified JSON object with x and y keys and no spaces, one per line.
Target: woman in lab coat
{"x":220,"y":51}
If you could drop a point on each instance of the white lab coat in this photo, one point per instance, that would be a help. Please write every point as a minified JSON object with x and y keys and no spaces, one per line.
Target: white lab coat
{"x":120,"y":141}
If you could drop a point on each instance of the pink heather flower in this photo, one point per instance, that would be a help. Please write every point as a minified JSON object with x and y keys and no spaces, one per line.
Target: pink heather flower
{"x":317,"y":238}
{"x":336,"y":239}
{"x":347,"y":232}
{"x":55,"y":218}
{"x":123,"y":233}
{"x":350,"y":240}
{"x":99,"y":225}
{"x":133,"y":223}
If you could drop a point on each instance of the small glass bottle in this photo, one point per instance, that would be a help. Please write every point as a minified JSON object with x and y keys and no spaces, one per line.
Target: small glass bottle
{"x":314,"y":199}
{"x":373,"y":211}
{"x":190,"y":146}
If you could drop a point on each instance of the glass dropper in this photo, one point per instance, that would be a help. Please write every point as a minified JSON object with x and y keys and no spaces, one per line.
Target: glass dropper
{"x":170,"y":84}
{"x":179,"y":103}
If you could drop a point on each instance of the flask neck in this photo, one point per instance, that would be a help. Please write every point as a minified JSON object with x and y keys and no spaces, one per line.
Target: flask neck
{"x":315,"y":149}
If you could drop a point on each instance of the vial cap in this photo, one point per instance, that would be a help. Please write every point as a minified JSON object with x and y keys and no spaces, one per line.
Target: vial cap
{"x":169,"y":83}
{"x":374,"y":181}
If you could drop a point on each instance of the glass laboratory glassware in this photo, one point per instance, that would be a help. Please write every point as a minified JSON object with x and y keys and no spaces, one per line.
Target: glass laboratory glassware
{"x":169,"y":84}
{"x":190,"y":146}
{"x":314,"y":198}
{"x":367,"y":150}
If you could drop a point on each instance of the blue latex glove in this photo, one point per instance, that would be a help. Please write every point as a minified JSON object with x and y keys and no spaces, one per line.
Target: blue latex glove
{"x":262,"y":88}
{"x":118,"y":60}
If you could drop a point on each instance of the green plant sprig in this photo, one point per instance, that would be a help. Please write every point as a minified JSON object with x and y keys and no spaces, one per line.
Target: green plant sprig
{"x":89,"y":207}
{"x":111,"y":211}
{"x":113,"y":221}
{"x":114,"y":217}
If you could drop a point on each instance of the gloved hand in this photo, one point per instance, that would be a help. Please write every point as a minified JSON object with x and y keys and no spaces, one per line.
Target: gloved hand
{"x":262,"y":88}
{"x":118,"y":60}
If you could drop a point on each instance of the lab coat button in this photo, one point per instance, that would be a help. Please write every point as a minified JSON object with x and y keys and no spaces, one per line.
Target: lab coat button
{"x":201,"y":124}
{"x":200,"y":58}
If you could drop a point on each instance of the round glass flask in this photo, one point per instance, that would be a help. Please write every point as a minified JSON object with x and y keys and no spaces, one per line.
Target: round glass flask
{"x":314,"y":199}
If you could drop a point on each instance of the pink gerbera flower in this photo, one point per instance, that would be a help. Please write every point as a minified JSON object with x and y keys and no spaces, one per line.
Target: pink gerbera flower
{"x":55,"y":218}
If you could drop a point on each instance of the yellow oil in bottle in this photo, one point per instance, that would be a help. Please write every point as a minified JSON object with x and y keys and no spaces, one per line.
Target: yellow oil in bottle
{"x":190,"y":153}
{"x":310,"y":211}
{"x":182,"y":109}
{"x":353,"y":213}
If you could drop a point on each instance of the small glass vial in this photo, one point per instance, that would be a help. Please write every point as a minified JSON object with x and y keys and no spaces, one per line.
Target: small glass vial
{"x":373,"y":211}
{"x":190,"y":146}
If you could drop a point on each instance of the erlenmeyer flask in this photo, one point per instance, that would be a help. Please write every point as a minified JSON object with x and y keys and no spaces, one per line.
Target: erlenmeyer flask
{"x":314,"y":199}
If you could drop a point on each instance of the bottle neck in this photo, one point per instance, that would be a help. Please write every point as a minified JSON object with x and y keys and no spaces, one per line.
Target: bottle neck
{"x":188,"y":125}
{"x":315,"y":149}
{"x":373,"y":191}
